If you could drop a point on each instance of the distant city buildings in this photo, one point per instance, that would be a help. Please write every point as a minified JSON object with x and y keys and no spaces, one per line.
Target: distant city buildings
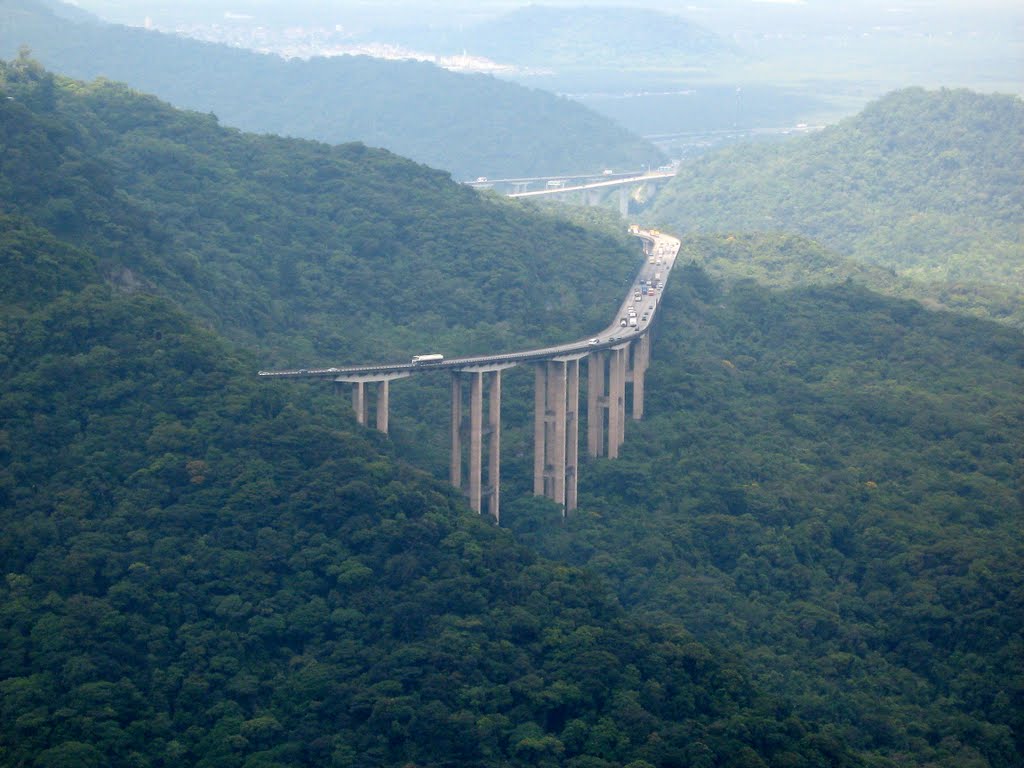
{"x":309,"y":42}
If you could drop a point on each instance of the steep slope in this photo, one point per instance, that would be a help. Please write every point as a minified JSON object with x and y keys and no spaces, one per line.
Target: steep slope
{"x":829,"y":482}
{"x":316,"y":253}
{"x":470,"y":125}
{"x":200,"y":572}
{"x":926,"y":184}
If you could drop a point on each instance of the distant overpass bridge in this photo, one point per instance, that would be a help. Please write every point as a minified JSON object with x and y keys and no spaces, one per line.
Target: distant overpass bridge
{"x":588,"y":189}
{"x":616,"y":356}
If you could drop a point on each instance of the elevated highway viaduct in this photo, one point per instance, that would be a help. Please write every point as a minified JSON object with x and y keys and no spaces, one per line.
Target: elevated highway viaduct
{"x":585,"y":189}
{"x":615,"y":357}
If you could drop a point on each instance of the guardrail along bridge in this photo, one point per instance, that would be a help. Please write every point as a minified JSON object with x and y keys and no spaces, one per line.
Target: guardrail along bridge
{"x":615,"y":357}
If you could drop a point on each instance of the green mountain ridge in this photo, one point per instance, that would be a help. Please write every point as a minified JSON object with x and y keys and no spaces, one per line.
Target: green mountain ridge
{"x":470,"y":125}
{"x":201,"y":574}
{"x":201,"y":571}
{"x":807,"y":555}
{"x":279,"y":235}
{"x":829,"y":480}
{"x":925,"y":183}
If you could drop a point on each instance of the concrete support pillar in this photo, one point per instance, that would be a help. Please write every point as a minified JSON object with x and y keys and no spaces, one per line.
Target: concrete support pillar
{"x":556,"y":446}
{"x":455,"y":465}
{"x":572,"y":433}
{"x":359,"y":404}
{"x":476,"y":401}
{"x":383,"y":404}
{"x":361,"y":396}
{"x":540,"y":403}
{"x":624,"y":202}
{"x":556,"y":430}
{"x":478,"y":488}
{"x":494,"y":444}
{"x":616,"y":400}
{"x":595,"y":403}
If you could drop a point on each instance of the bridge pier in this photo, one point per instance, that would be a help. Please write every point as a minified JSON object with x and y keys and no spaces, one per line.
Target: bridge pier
{"x":556,"y":430}
{"x":606,"y":393}
{"x":641,"y":362}
{"x":597,"y":401}
{"x":360,"y":401}
{"x":359,"y":404}
{"x":616,"y":399}
{"x":476,"y":490}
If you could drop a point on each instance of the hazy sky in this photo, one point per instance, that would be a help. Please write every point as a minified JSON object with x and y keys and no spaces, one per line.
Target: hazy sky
{"x":963,"y":42}
{"x":419,"y":11}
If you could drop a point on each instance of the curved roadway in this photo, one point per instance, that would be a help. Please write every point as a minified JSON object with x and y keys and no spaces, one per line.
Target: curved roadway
{"x":659,"y":260}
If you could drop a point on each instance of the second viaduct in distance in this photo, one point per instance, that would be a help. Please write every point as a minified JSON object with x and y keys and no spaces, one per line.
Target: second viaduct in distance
{"x":616,"y":356}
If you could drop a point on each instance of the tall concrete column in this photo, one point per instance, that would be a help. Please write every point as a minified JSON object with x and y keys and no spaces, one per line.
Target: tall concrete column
{"x":620,"y":396}
{"x":572,"y":433}
{"x":641,"y":358}
{"x":359,"y":401}
{"x":476,"y":397}
{"x":482,"y":380}
{"x":616,"y":400}
{"x":383,"y":404}
{"x":595,"y":402}
{"x":540,"y":403}
{"x":556,"y":447}
{"x":455,"y":465}
{"x":494,"y":444}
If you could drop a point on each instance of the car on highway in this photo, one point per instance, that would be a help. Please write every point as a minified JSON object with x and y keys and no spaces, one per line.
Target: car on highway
{"x":594,"y":340}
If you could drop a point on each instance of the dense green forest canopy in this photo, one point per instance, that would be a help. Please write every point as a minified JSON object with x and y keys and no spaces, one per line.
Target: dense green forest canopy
{"x":314,"y":253}
{"x":200,"y":570}
{"x":830,"y":483}
{"x":926,"y":184}
{"x":808,"y":555}
{"x":470,"y":125}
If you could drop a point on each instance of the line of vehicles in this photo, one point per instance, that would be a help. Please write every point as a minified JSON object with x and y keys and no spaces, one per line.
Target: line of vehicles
{"x":644,"y":288}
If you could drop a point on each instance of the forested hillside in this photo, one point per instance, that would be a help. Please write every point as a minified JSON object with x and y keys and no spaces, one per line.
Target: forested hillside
{"x":808,"y":555}
{"x":201,"y":571}
{"x":926,"y":184}
{"x":313,"y":253}
{"x":470,"y":125}
{"x":830,"y":483}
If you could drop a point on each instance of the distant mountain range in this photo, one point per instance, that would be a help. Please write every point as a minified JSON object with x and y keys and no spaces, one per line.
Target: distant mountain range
{"x":543,"y":36}
{"x":470,"y":125}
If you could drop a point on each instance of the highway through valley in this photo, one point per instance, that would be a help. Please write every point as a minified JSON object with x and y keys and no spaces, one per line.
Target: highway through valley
{"x":632,"y":318}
